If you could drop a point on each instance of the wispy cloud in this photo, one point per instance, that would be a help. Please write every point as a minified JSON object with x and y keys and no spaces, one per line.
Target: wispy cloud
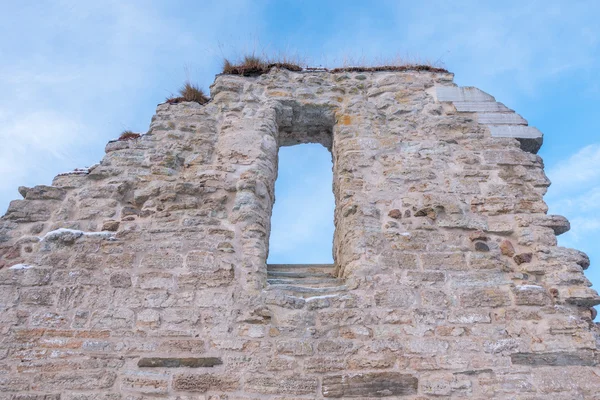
{"x":575,"y":193}
{"x":74,"y":74}
{"x":579,"y":171}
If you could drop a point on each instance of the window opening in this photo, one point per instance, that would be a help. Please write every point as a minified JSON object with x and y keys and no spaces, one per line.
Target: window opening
{"x":302,"y":221}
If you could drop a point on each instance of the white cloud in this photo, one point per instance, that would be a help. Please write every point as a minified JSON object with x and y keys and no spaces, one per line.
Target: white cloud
{"x":580,"y":171}
{"x":575,"y":193}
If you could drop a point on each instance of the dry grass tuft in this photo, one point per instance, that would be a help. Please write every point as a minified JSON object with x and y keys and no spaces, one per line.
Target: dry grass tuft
{"x":252,"y":65}
{"x":399,"y":68}
{"x":189,"y":92}
{"x":129,"y":135}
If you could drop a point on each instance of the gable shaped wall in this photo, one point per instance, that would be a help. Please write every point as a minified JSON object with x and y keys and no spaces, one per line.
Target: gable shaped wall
{"x":145,"y":276}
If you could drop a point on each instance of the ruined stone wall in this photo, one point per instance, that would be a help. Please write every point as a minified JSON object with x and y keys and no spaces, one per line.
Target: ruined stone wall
{"x":145,"y":276}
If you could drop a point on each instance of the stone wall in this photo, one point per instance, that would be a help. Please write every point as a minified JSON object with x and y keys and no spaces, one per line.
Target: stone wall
{"x":145,"y":276}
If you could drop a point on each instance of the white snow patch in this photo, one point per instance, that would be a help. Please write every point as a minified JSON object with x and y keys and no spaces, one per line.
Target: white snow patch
{"x":55,"y":234}
{"x":79,"y":171}
{"x":528,"y":287}
{"x":21,"y":266}
{"x":327,"y":296}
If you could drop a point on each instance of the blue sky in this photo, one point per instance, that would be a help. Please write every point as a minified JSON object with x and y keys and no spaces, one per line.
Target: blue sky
{"x":74,"y":74}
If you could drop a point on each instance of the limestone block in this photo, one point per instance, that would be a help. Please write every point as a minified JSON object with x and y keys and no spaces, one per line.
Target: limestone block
{"x":294,"y":385}
{"x":581,"y":296}
{"x":558,"y":223}
{"x":29,"y":210}
{"x":531,"y":295}
{"x":561,"y":358}
{"x":145,"y":382}
{"x":531,"y":138}
{"x":462,"y":94}
{"x":171,"y":362}
{"x":485,"y":298}
{"x":202,"y":383}
{"x":501,"y":119}
{"x":38,"y":296}
{"x":42,"y":192}
{"x":82,"y":380}
{"x":481,"y":107}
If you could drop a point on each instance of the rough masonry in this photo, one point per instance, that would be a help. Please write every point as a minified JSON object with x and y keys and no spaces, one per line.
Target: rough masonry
{"x":145,"y":276}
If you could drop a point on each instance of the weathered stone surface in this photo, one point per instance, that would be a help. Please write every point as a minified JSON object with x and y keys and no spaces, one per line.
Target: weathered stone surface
{"x":462,"y":94}
{"x":585,"y":358}
{"x":531,"y":138}
{"x":205,"y":382}
{"x":501,"y":119}
{"x":507,"y":248}
{"x":146,"y":276}
{"x":295,"y":385}
{"x":42,"y":192}
{"x":376,"y":384}
{"x":191,"y":362}
{"x":145,"y":382}
{"x":480,"y":106}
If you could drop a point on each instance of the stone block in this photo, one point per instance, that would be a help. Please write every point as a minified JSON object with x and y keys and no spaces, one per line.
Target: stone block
{"x":485,"y":298}
{"x":462,"y":94}
{"x":38,"y":296}
{"x":481,"y":107}
{"x":171,"y":362}
{"x":202,"y":383}
{"x":373,"y":384}
{"x":10,"y":383}
{"x":289,"y":385}
{"x":324,"y":364}
{"x":29,"y":210}
{"x":557,"y":359}
{"x":300,"y":347}
{"x":501,"y":119}
{"x":194,"y":346}
{"x":161,"y":261}
{"x":42,"y":192}
{"x":557,"y":223}
{"x":581,"y":296}
{"x":120,"y":280}
{"x":156,"y":280}
{"x":27,"y":276}
{"x":401,"y":298}
{"x":444,"y":261}
{"x":76,"y":380}
{"x":530,"y":138}
{"x":145,"y":382}
{"x":531,"y":295}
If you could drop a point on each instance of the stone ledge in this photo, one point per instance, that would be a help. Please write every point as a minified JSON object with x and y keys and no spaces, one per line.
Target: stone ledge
{"x":494,"y":118}
{"x":531,"y":138}
{"x":502,"y":121}
{"x":481,"y":107}
{"x":462,"y":94}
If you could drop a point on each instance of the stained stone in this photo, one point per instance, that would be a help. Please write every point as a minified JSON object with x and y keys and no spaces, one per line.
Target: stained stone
{"x":192,"y":362}
{"x":377,"y":384}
